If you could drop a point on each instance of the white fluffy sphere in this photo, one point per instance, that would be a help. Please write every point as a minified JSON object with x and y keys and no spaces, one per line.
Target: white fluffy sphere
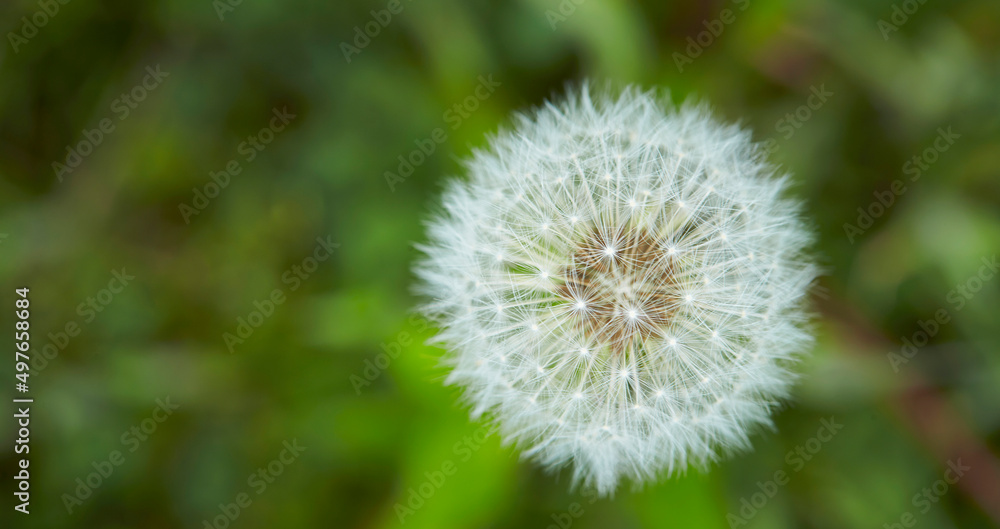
{"x":620,"y":285}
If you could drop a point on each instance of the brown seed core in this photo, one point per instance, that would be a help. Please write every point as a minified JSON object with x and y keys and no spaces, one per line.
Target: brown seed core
{"x":625,"y":283}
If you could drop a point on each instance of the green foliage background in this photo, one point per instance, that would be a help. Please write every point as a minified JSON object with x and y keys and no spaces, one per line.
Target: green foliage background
{"x":368,"y":446}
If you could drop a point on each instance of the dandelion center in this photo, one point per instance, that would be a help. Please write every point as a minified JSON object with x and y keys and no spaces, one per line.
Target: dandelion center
{"x":626,"y":281}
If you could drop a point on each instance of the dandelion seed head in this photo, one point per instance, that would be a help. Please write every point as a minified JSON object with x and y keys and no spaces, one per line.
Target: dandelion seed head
{"x":634,"y":364}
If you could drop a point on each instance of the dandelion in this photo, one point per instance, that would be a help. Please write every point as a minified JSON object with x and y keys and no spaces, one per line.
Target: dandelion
{"x":620,"y":286}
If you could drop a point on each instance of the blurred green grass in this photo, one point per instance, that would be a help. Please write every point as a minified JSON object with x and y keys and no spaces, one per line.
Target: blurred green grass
{"x":368,"y":446}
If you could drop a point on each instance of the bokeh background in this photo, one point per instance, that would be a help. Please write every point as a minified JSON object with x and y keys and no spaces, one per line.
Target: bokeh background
{"x":340,"y":366}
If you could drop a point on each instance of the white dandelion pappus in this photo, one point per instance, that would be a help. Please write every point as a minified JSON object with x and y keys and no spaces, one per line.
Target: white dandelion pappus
{"x":620,"y":285}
